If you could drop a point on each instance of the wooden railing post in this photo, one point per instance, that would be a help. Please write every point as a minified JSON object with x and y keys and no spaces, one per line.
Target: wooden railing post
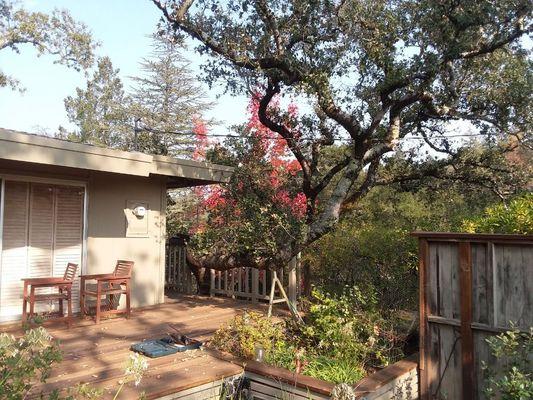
{"x":212,"y":285}
{"x":255,"y":284}
{"x":293,"y":265}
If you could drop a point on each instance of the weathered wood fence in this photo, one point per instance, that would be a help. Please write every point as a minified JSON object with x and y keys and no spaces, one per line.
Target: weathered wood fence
{"x":255,"y":285}
{"x":471,"y":287}
{"x":178,"y":275}
{"x":241,"y":283}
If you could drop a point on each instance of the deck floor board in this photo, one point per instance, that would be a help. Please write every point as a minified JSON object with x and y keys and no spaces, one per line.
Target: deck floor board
{"x":97,"y":354}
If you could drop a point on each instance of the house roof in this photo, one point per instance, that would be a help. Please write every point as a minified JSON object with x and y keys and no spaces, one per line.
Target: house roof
{"x":31,"y":148}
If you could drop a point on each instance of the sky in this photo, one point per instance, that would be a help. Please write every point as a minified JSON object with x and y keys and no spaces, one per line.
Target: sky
{"x":121,"y":27}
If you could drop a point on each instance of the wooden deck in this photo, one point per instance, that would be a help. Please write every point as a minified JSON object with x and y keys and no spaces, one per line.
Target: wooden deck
{"x":96,"y":354}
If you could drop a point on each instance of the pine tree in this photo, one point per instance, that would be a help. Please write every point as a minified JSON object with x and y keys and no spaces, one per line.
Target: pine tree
{"x":166,"y":100}
{"x":99,"y":111}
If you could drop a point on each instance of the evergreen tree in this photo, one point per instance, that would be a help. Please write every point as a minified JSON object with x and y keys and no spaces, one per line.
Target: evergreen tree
{"x":100,"y":110}
{"x":166,"y":100}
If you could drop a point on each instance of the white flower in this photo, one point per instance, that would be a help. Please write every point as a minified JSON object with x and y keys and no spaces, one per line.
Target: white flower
{"x":136,"y":366}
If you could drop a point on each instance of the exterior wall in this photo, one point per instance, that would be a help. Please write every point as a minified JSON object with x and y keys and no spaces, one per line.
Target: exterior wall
{"x":108,"y":195}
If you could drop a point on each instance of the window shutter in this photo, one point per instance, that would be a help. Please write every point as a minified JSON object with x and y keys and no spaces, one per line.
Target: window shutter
{"x":41,"y":239}
{"x":14,"y":248}
{"x":68,"y":236}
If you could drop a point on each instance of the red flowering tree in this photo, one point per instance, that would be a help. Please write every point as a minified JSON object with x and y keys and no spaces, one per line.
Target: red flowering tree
{"x":251,"y":220}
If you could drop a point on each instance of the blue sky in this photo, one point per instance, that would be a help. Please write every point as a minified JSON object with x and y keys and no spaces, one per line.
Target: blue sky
{"x":121,"y":26}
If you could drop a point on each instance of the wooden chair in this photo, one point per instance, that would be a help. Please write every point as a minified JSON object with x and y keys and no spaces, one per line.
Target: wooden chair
{"x":108,"y":285}
{"x":64,"y":286}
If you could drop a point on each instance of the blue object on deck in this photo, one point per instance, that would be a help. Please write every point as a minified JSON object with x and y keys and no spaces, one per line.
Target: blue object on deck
{"x":163,"y":347}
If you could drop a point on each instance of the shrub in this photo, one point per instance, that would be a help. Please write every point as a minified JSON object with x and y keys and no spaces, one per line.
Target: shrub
{"x":349,"y":326}
{"x":344,"y":337}
{"x":517,"y":218}
{"x":24,"y":361}
{"x":514,"y":378}
{"x":244,"y":332}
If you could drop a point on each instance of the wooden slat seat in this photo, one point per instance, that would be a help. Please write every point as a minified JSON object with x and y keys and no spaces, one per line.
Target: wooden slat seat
{"x":51,"y":296}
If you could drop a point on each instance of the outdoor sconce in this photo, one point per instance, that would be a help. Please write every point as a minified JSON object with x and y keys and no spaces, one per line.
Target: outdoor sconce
{"x":139,"y":212}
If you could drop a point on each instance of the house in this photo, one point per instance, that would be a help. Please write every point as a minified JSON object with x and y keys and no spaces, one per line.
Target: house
{"x":68,"y":202}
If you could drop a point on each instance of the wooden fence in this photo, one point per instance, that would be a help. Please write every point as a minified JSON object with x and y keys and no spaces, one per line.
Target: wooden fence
{"x":178,"y":276}
{"x":471,"y":287}
{"x":253,"y":284}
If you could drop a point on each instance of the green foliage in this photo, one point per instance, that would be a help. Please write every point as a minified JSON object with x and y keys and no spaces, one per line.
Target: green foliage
{"x":166,"y":99}
{"x":58,"y":34}
{"x":513,"y":378}
{"x":516,"y":217}
{"x":162,"y":106}
{"x":348,"y":326}
{"x":99,"y":111}
{"x":374,"y":78}
{"x":244,"y":332}
{"x":344,"y":338}
{"x":334,"y":370}
{"x":372,"y":248}
{"x":25,"y":360}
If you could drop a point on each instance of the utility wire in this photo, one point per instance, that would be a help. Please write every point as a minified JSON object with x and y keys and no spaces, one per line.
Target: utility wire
{"x":218,"y":135}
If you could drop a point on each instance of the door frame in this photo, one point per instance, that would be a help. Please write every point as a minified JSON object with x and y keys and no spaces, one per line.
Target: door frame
{"x":50,"y":181}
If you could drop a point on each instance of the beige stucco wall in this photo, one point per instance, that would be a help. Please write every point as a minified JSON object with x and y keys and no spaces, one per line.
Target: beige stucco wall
{"x":108,"y":195}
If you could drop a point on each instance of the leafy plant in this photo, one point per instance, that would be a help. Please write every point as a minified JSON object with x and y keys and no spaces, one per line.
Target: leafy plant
{"x":513,"y":379}
{"x":349,"y":326}
{"x":334,"y":370}
{"x":25,"y":361}
{"x":517,"y":218}
{"x":344,"y":337}
{"x":244,"y":332}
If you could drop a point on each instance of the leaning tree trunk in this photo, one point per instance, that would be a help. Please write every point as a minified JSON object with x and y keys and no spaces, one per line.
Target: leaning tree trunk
{"x":200,"y":273}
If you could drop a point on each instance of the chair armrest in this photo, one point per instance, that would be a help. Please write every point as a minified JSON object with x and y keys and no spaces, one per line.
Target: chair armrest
{"x":112,"y":278}
{"x":97,"y":276}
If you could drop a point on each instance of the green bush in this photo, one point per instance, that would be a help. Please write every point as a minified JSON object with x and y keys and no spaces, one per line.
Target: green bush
{"x":372,"y":248}
{"x":244,"y":332}
{"x":24,"y":361}
{"x":513,"y":379}
{"x":516,"y":217}
{"x":349,"y":326}
{"x":344,"y":337}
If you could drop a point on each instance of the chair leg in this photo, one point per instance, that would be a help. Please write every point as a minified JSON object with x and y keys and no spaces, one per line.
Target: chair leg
{"x":128,"y":304}
{"x":24,"y":303}
{"x":32,"y":302}
{"x":82,"y":297}
{"x":69,"y":317}
{"x":98,"y":301}
{"x":61,"y":312}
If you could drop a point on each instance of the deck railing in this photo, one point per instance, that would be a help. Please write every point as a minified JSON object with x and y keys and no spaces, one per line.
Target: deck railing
{"x":178,"y":275}
{"x":255,"y":285}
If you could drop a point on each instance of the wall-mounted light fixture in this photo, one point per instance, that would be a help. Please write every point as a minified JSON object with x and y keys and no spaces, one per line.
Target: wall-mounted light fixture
{"x":139,"y":211}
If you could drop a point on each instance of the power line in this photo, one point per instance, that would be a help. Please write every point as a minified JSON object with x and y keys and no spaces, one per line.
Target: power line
{"x":232,"y":136}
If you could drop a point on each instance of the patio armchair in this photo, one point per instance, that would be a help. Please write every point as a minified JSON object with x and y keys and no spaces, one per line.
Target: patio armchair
{"x":108,"y":285}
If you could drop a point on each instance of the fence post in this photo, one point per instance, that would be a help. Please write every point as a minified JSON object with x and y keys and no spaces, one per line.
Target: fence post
{"x":293,"y":265}
{"x":255,"y":284}
{"x":212,"y":285}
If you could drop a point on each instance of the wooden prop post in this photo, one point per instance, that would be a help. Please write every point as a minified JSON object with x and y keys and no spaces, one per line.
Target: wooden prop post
{"x":284,"y":299}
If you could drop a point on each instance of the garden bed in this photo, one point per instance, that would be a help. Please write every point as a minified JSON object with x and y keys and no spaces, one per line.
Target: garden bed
{"x":398,"y":381}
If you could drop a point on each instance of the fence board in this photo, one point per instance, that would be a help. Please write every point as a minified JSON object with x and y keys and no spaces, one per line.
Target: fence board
{"x":178,"y":275}
{"x":482,"y":299}
{"x":471,"y":287}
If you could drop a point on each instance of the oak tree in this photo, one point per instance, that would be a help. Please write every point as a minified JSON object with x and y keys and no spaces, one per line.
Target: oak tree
{"x":57,"y":34}
{"x":371,"y":76}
